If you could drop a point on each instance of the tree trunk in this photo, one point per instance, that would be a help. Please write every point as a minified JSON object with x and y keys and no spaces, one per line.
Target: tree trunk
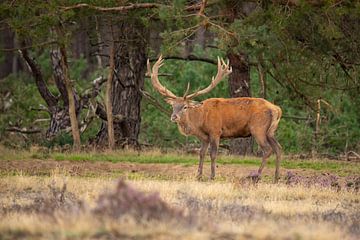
{"x":108,"y":93}
{"x":239,"y":86}
{"x":7,"y":41}
{"x":130,"y":67}
{"x":72,"y":108}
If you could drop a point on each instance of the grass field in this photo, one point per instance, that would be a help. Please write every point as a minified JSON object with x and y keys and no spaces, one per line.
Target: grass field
{"x":45,"y":195}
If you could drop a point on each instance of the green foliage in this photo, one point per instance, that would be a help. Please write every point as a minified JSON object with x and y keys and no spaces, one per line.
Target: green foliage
{"x":307,"y":52}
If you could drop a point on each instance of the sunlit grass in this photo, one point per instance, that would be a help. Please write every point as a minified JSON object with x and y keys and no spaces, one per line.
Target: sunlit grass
{"x":275,"y":206}
{"x":341,"y":168}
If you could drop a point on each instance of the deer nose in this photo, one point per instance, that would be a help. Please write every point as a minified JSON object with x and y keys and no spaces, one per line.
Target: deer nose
{"x":174,"y":117}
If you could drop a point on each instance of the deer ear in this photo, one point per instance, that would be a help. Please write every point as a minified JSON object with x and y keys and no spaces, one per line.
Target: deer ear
{"x":170,"y":101}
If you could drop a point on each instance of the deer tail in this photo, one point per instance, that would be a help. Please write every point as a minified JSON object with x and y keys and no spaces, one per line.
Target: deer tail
{"x":275,"y":118}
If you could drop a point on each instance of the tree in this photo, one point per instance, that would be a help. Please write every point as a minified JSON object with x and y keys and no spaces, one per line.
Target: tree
{"x":108,"y":93}
{"x":129,"y":69}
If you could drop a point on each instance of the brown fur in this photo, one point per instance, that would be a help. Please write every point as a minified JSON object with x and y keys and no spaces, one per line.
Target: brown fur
{"x":217,"y":118}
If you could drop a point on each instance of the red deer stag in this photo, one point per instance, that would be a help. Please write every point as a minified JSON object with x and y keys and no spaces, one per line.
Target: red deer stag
{"x":216,"y":118}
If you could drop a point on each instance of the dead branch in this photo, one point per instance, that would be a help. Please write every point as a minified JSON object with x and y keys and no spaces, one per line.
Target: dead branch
{"x":112,"y":9}
{"x":42,"y":108}
{"x":152,"y":100}
{"x":356,"y":155}
{"x":101,"y":113}
{"x":202,"y":8}
{"x":132,"y":6}
{"x":160,"y":74}
{"x":23,"y":130}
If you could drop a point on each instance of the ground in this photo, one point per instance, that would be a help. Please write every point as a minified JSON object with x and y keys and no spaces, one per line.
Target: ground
{"x":78,"y":196}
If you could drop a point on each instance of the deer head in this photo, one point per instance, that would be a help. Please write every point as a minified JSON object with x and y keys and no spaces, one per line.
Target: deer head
{"x":181,"y":104}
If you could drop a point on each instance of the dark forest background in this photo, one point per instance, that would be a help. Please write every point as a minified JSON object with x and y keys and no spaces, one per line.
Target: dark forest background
{"x":63,"y":63}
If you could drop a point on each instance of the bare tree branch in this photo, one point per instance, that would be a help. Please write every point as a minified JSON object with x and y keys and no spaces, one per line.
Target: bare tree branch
{"x":49,"y":98}
{"x":152,"y":100}
{"x":112,"y":9}
{"x":132,"y":6}
{"x":23,"y":130}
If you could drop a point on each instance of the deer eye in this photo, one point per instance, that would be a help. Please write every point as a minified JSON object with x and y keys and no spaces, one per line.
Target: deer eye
{"x":185,"y":107}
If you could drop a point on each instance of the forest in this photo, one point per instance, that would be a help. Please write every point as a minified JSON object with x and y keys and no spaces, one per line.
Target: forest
{"x":301,"y":56}
{"x":79,"y":107}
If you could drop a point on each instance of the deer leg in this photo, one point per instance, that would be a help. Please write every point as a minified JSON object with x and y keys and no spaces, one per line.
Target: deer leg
{"x":277,"y":149}
{"x":214,"y":145}
{"x":203,"y":149}
{"x":266,"y":154}
{"x":262,"y":141}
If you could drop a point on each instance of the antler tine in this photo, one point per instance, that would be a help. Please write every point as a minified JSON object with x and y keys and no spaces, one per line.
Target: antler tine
{"x":187,"y":90}
{"x":148,"y":68}
{"x":223,"y":71}
{"x":155,"y":79}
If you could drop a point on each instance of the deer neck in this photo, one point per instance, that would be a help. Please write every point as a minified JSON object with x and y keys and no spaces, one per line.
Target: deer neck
{"x":188,"y":124}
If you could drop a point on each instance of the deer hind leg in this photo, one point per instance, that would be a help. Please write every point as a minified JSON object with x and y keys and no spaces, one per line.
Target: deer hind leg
{"x":277,"y":149}
{"x":214,"y":145}
{"x":263,"y":142}
{"x":203,"y":149}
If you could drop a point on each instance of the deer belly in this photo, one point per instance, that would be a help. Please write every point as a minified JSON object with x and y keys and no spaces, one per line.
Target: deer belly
{"x":235,"y":131}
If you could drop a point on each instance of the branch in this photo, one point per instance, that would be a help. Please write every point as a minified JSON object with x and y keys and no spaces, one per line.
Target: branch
{"x":45,"y":93}
{"x":23,"y":130}
{"x":132,"y":6}
{"x":147,"y":75}
{"x":58,"y":74}
{"x":154,"y":102}
{"x":189,"y":58}
{"x":41,"y":108}
{"x":101,"y":113}
{"x":202,"y":8}
{"x":305,"y":98}
{"x":94,"y":91}
{"x":112,"y":9}
{"x":353,"y":153}
{"x":28,"y":47}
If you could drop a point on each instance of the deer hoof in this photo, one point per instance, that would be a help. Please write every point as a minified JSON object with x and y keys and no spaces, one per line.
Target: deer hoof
{"x":199,"y":177}
{"x":254,"y":176}
{"x":276,"y":179}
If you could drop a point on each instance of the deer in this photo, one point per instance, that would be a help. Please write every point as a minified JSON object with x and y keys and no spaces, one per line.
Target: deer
{"x":220,"y":118}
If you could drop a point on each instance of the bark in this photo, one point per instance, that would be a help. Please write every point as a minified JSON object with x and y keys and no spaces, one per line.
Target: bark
{"x":130,"y":67}
{"x":72,"y":109}
{"x":239,"y":80}
{"x":239,"y":86}
{"x":45,"y":93}
{"x":60,"y":118}
{"x":98,"y":38}
{"x":7,"y":41}
{"x":58,"y":75}
{"x":108,"y":93}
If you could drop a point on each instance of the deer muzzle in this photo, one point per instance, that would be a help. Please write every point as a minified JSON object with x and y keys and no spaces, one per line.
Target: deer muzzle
{"x":174,"y":117}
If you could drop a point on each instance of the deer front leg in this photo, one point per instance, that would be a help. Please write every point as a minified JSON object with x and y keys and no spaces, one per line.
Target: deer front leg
{"x":203,"y":149}
{"x":214,"y":145}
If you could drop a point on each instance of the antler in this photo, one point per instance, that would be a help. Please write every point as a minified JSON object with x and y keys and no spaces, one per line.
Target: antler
{"x":223,"y":71}
{"x":155,"y":80}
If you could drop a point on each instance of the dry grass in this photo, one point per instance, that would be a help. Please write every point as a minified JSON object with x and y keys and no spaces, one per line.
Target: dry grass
{"x":216,"y":210}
